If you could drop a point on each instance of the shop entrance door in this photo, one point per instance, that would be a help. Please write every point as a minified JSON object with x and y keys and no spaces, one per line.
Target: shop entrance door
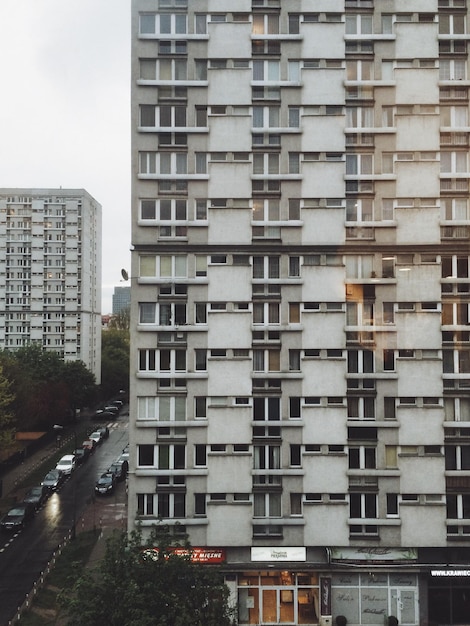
{"x":278,"y":606}
{"x":404,"y":605}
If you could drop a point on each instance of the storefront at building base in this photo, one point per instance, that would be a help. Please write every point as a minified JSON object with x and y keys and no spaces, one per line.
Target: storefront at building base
{"x":312,"y":586}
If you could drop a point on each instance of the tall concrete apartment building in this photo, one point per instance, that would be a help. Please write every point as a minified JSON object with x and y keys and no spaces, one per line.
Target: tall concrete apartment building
{"x":50,"y":272}
{"x":300,"y":300}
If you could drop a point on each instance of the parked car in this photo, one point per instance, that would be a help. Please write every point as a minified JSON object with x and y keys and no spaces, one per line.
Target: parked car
{"x":118,"y":403}
{"x":118,"y":470}
{"x":36,"y":496}
{"x":111,"y":408}
{"x":96,"y":436}
{"x":104,"y":415}
{"x":123,"y":460}
{"x":53,"y":479}
{"x":104,"y":431}
{"x":81,"y":455}
{"x":105,"y":484}
{"x":67,"y":464}
{"x":17,"y":517}
{"x":90,"y":445}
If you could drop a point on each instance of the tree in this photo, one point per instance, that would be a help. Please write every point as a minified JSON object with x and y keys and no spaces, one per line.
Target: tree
{"x":46,"y":388}
{"x":114,"y":361}
{"x":121,"y":321}
{"x":7,"y":422}
{"x":130,"y":588}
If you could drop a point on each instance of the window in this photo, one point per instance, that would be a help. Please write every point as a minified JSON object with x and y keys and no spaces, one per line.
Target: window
{"x":265,"y":24}
{"x":452,"y":69}
{"x":171,"y":314}
{"x":359,"y":117}
{"x":266,"y":117}
{"x":458,"y":506}
{"x":363,"y":505}
{"x":266,"y":163}
{"x":295,"y":458}
{"x":266,"y":210}
{"x":164,"y":408}
{"x":360,"y":266}
{"x":266,"y":313}
{"x":145,"y":503}
{"x":362,"y":457}
{"x":200,"y":407}
{"x":171,"y":69}
{"x":452,"y":24}
{"x":454,"y":209}
{"x":359,"y":70}
{"x":294,"y":360}
{"x":163,"y":163}
{"x":360,"y":361}
{"x":171,"y":456}
{"x":266,"y":71}
{"x":454,"y":116}
{"x":147,"y":312}
{"x":145,"y":455}
{"x":266,"y":360}
{"x":171,"y":505}
{"x":358,"y":25}
{"x":266,"y":267}
{"x":172,"y":360}
{"x":200,"y":360}
{"x":147,"y":360}
{"x":361,"y":408}
{"x":267,"y":457}
{"x":200,"y":455}
{"x":359,"y":164}
{"x":267,"y":505}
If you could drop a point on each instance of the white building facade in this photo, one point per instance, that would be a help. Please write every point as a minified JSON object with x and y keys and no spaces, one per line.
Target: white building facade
{"x":50,"y":272}
{"x":300,"y":361}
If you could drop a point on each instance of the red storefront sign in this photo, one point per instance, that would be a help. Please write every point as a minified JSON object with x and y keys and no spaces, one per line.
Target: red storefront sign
{"x":209,"y":556}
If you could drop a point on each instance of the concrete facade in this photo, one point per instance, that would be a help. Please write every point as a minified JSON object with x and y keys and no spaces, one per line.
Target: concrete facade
{"x":300,"y":361}
{"x":50,"y":272}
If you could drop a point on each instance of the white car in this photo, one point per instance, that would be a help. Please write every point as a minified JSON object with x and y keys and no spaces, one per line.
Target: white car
{"x":96,"y":436}
{"x":66,"y":464}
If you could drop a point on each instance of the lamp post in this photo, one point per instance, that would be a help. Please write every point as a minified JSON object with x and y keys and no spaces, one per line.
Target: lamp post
{"x":73,"y":532}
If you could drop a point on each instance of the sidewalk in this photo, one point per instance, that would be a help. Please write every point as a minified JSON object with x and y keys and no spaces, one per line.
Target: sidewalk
{"x":14,"y":476}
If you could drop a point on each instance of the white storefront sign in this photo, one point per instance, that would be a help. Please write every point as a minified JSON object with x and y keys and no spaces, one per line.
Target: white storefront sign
{"x":278,"y":554}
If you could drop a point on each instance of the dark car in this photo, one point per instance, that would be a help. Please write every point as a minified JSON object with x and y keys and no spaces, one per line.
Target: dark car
{"x":118,"y":470}
{"x":104,"y":415}
{"x":36,"y":496}
{"x":105,"y":484}
{"x":53,"y":479}
{"x":118,"y":403}
{"x":17,"y":517}
{"x":104,"y":431}
{"x":81,"y":455}
{"x":111,"y":408}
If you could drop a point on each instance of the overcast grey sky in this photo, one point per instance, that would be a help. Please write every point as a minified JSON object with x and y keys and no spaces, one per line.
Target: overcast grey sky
{"x":65,"y":108}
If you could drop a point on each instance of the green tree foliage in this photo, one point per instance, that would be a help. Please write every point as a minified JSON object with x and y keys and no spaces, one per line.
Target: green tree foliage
{"x":47,"y":389}
{"x":7,"y":430}
{"x":132,"y":589}
{"x":114,"y":361}
{"x":121,"y":321}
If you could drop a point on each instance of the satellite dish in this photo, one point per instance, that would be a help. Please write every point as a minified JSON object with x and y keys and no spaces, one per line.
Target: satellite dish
{"x":124,"y":274}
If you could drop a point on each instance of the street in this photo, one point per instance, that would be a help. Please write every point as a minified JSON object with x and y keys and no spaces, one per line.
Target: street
{"x":25,"y":555}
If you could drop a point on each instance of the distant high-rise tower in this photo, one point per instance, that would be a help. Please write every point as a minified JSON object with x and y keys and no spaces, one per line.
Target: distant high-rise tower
{"x":301,"y":301}
{"x":121,"y":299}
{"x":50,"y":272}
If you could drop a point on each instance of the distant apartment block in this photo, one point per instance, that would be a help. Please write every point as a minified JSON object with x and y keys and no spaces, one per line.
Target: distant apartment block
{"x":50,"y":272}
